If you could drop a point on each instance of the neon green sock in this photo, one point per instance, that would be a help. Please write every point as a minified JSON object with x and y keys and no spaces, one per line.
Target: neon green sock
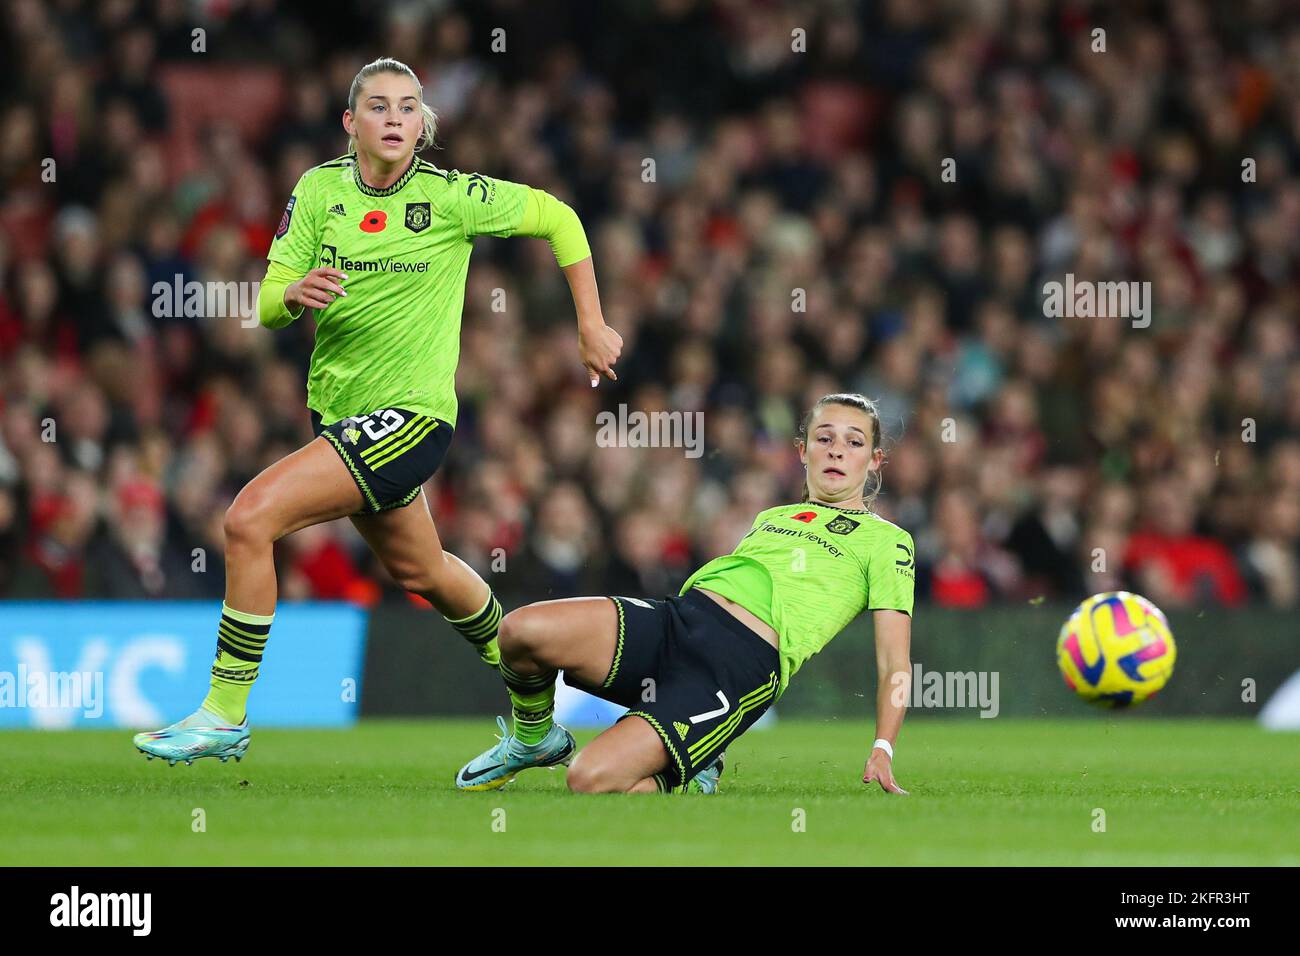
{"x":480,"y":629}
{"x":241,"y":640}
{"x":532,"y":699}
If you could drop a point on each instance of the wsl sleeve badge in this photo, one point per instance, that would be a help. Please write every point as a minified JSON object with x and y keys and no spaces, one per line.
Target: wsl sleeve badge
{"x":281,"y":229}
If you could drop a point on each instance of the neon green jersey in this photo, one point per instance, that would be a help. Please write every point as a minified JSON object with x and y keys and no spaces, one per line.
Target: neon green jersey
{"x":809,"y":569}
{"x":394,"y":340}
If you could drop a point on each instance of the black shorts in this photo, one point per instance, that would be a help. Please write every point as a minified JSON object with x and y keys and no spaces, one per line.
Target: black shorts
{"x":391,"y":453}
{"x":697,"y":675}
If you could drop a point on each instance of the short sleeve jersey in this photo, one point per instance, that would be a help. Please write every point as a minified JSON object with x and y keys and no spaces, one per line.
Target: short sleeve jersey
{"x":809,"y":569}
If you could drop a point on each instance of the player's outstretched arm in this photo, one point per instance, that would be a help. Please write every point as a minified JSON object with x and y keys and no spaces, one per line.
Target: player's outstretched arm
{"x":548,"y":218}
{"x":598,"y":344}
{"x":894,"y":681}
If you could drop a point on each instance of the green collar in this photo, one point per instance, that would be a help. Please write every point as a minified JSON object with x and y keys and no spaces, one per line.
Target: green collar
{"x":372,"y":191}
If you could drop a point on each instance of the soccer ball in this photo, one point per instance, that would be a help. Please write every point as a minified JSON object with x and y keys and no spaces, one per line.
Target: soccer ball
{"x":1116,"y":650}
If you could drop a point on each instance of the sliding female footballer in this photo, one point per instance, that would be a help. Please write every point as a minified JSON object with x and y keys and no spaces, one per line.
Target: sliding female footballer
{"x":697,"y":670}
{"x":377,"y":242}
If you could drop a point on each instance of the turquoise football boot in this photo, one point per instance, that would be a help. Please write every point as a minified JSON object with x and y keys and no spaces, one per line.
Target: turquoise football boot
{"x":496,"y":767}
{"x":706,"y":781}
{"x":201,"y":734}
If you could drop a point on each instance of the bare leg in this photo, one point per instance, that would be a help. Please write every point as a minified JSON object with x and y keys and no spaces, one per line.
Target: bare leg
{"x":406,"y":541}
{"x":578,"y":636}
{"x":575,"y":635}
{"x":621,"y":760}
{"x":308,"y":487}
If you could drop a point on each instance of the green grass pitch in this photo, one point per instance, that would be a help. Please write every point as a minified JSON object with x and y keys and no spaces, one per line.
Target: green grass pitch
{"x":1002,"y":791}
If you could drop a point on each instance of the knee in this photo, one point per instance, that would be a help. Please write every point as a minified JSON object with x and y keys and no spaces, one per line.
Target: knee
{"x":246,"y":522}
{"x":521,"y":635}
{"x":591,"y":775}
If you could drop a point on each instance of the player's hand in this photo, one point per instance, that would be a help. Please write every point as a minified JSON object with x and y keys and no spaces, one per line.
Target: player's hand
{"x":316,"y":289}
{"x":881,"y":769}
{"x":600,"y":349}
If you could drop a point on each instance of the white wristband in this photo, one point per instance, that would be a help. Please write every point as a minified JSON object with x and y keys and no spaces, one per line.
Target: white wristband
{"x":884,"y":745}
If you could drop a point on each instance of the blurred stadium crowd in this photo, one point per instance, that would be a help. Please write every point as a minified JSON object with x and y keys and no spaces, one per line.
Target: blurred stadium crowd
{"x":1087,"y":454}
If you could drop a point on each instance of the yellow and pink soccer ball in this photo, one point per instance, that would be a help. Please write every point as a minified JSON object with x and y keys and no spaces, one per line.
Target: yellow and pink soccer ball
{"x":1116,"y":649}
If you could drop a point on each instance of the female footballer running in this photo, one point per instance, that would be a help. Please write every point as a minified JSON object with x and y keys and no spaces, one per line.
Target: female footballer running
{"x":698,"y":669}
{"x":377,"y":242}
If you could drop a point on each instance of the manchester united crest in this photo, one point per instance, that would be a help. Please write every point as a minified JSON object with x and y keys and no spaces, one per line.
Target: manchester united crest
{"x":841,"y":524}
{"x":417,"y":216}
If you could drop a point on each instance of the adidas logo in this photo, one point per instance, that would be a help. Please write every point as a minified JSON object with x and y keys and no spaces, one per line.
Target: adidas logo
{"x":350,"y":435}
{"x":337,"y":209}
{"x":681,"y":728}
